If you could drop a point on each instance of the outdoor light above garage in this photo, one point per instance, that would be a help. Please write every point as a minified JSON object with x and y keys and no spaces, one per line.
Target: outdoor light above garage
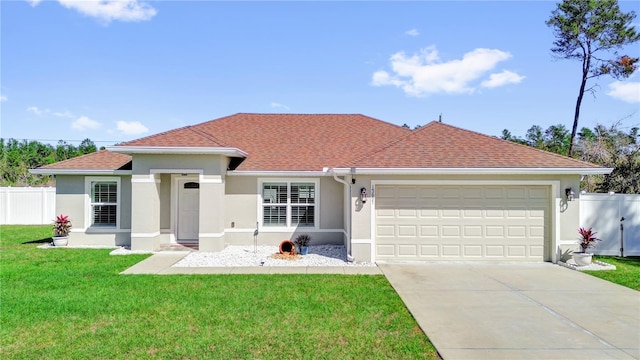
{"x":569,"y":194}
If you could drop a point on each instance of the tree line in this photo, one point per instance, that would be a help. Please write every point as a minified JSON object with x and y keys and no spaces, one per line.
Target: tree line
{"x":606,"y":146}
{"x":17,"y":157}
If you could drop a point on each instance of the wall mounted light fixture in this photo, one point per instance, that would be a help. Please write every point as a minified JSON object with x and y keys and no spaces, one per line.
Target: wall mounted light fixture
{"x":363,"y":195}
{"x":568,"y":192}
{"x":353,"y":180}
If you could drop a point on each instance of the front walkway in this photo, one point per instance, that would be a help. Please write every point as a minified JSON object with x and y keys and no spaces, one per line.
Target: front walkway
{"x":161,"y":264}
{"x":519,"y":311}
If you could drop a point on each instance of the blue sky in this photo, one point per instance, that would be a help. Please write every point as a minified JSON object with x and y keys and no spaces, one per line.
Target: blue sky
{"x":116,"y":71}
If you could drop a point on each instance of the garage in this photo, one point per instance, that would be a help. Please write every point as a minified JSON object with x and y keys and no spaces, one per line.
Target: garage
{"x":462,"y":222}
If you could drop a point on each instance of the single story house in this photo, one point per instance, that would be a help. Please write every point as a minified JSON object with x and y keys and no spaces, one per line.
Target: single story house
{"x":385,"y":192}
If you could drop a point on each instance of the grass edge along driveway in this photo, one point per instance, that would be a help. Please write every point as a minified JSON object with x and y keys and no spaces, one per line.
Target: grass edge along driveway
{"x":72,"y":303}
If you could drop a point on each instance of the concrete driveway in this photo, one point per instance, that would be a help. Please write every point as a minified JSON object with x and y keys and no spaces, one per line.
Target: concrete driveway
{"x":513,"y":311}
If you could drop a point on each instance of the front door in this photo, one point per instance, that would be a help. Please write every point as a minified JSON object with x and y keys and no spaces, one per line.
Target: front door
{"x":188,"y":210}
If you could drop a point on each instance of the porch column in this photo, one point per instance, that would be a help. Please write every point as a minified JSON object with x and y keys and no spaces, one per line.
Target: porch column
{"x":211,"y":233}
{"x":145,"y":212}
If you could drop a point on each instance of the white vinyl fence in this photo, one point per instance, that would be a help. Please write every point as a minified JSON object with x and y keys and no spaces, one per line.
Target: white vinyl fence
{"x":27,"y":205}
{"x":603,"y":213}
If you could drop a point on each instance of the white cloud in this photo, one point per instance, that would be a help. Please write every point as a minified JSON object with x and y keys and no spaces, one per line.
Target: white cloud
{"x":424,"y":73}
{"x":110,"y":10}
{"x":65,"y":114}
{"x":503,"y":78}
{"x":278,"y":105}
{"x":412,"y":32}
{"x":84,"y":123}
{"x":33,"y":3}
{"x":3,"y":98}
{"x":625,"y":91}
{"x":131,"y":127}
{"x":37,"y":111}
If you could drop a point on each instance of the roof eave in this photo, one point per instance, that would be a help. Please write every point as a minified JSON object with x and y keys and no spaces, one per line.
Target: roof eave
{"x":473,"y":171}
{"x":275,"y":173}
{"x":79,"y":172}
{"x":181,"y":150}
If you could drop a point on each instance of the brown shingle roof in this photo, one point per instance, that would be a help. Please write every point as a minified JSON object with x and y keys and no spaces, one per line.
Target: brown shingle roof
{"x":101,"y":160}
{"x":438,"y":145}
{"x":299,"y":142}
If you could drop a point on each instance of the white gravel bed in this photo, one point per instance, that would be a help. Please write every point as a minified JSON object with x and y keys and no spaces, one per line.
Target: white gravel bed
{"x":595,"y":265}
{"x":236,"y":256}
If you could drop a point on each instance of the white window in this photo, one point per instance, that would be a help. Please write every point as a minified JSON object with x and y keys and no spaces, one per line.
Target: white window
{"x":289,"y":203}
{"x":104,"y":202}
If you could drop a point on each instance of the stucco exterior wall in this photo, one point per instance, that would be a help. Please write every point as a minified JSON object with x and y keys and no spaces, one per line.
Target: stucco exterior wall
{"x":243,"y":200}
{"x":165,"y":201}
{"x":209,"y":164}
{"x":72,"y":199}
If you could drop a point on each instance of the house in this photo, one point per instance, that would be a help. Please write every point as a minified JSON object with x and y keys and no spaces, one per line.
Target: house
{"x":385,"y":192}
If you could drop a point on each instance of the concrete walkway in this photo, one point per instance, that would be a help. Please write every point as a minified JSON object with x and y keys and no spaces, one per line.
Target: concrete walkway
{"x":161,"y":263}
{"x":528,"y":311}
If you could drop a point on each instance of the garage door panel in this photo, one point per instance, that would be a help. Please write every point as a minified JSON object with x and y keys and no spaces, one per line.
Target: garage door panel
{"x":516,"y":231}
{"x":429,"y":251}
{"x":494,"y":231}
{"x":473,"y":251}
{"x":451,"y":251}
{"x":407,"y":213}
{"x":429,"y":213}
{"x":407,"y":231}
{"x":462,"y":222}
{"x":408,"y":250}
{"x":429,"y":231}
{"x":473,"y":231}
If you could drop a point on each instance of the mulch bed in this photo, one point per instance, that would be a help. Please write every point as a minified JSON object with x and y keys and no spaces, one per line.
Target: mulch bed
{"x":286,"y":256}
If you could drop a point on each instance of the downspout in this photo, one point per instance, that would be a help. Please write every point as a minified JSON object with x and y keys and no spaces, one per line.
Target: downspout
{"x":348,"y":186}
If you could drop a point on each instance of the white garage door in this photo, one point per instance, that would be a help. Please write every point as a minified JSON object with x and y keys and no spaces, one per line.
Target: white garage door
{"x":509,"y":223}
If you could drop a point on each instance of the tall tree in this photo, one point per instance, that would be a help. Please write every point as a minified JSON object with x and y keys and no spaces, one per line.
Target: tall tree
{"x":584,"y":29}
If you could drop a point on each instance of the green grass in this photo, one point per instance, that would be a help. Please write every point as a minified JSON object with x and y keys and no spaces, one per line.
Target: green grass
{"x":72,"y":303}
{"x":627,"y":272}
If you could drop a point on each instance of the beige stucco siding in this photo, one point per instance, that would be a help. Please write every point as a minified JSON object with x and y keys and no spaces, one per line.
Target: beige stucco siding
{"x":241,"y":202}
{"x":209,"y":164}
{"x":72,"y":199}
{"x":165,"y":201}
{"x":242,"y":206}
{"x":331,"y":204}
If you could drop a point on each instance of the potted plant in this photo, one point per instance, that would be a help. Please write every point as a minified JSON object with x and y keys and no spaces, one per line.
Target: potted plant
{"x":302,"y":241}
{"x":61,"y":229}
{"x":586,"y":241}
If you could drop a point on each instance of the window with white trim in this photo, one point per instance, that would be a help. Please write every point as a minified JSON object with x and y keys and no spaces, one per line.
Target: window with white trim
{"x":104,"y":203}
{"x":289,"y":204}
{"x":104,"y":196}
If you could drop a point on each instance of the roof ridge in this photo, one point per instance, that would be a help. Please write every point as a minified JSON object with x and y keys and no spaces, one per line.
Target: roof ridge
{"x":517,"y":144}
{"x":208,"y":136}
{"x":389,"y":144}
{"x":153,"y":135}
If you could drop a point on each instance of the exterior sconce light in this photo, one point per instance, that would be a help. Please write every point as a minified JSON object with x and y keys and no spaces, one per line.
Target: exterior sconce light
{"x":363,"y":195}
{"x":353,"y":180}
{"x":568,"y":192}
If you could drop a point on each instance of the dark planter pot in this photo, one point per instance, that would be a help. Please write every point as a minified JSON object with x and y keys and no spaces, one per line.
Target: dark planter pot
{"x":304,"y":250}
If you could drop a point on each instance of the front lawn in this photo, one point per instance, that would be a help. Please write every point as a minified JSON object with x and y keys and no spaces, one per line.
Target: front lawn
{"x":72,"y":303}
{"x":627,"y":272}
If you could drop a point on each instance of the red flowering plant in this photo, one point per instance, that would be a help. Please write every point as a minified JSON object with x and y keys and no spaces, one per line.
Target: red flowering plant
{"x":62,"y":225}
{"x":587,"y":239}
